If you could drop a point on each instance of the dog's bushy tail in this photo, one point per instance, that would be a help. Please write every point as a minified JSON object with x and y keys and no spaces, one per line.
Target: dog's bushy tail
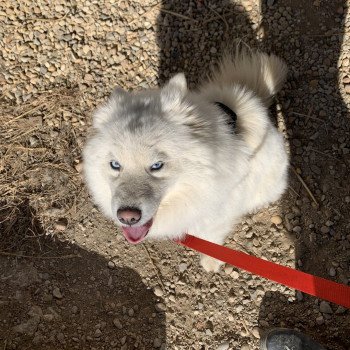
{"x":262,"y":73}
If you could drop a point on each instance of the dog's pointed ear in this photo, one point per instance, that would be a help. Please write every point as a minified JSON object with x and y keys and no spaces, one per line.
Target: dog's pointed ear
{"x":104,"y":113}
{"x":174,"y":92}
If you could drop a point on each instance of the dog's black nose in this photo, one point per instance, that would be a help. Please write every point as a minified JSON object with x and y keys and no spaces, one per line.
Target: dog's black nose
{"x":128,"y":215}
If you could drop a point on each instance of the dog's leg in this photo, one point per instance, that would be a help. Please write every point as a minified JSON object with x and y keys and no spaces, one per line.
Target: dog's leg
{"x":210,"y":264}
{"x":215,"y":235}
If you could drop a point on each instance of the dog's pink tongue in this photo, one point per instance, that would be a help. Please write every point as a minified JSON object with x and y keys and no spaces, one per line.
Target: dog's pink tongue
{"x":136,"y":234}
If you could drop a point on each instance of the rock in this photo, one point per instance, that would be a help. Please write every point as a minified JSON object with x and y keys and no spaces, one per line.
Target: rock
{"x":264,"y":324}
{"x":79,"y":167}
{"x":60,"y":337}
{"x":158,"y":291}
{"x":53,"y":212}
{"x":299,"y":296}
{"x":29,"y":327}
{"x":74,"y":309}
{"x":34,"y":141}
{"x":57,"y":293}
{"x":223,"y":346}
{"x":61,"y":224}
{"x":208,"y":332}
{"x":182,"y":267}
{"x":340,"y":310}
{"x":325,"y":307}
{"x":157,"y":343}
{"x":228,"y":269}
{"x":98,"y":333}
{"x":297,"y":229}
{"x":235,"y":275}
{"x":313,"y":83}
{"x":245,"y":347}
{"x":160,"y":307}
{"x":117,"y":323}
{"x":111,"y":265}
{"x":250,"y":233}
{"x":255,"y":332}
{"x":35,"y":311}
{"x":332,"y":272}
{"x":276,"y":219}
{"x":319,"y":320}
{"x":131,"y":312}
{"x":48,"y":317}
{"x":324,"y":229}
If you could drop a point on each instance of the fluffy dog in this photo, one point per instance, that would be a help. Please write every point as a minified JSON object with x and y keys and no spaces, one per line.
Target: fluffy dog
{"x":162,"y":163}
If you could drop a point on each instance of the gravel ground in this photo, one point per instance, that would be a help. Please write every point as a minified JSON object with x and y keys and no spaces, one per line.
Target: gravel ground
{"x":68,"y":279}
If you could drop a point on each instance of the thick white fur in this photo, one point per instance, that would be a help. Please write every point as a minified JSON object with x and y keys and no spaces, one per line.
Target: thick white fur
{"x":214,"y":177}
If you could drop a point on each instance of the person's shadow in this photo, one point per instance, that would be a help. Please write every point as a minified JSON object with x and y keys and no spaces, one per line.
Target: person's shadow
{"x":56,"y":295}
{"x":308,"y":35}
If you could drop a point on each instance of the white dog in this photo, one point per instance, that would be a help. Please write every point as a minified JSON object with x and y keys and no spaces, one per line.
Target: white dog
{"x":166,"y":162}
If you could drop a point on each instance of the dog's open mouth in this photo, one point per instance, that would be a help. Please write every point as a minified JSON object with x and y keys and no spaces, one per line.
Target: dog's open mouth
{"x":136,"y":234}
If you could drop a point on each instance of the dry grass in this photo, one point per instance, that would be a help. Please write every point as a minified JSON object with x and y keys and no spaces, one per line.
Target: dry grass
{"x":38,"y":151}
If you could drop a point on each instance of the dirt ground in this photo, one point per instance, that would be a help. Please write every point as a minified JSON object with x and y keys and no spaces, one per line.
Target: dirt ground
{"x":68,"y":279}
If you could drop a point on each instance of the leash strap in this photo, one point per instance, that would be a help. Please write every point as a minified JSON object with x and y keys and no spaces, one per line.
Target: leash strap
{"x":307,"y":283}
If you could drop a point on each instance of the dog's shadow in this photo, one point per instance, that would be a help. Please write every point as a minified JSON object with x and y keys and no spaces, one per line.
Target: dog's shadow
{"x":192,"y":36}
{"x":55,"y":294}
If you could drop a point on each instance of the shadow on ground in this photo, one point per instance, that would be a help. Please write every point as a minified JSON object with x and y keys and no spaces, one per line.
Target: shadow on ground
{"x":319,"y":231}
{"x":62,"y":296}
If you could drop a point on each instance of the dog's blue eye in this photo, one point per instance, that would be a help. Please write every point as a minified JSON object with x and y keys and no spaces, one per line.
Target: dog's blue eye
{"x":157,"y":166}
{"x":114,"y":165}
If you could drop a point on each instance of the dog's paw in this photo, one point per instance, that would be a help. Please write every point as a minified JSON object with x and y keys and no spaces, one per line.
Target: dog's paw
{"x":210,"y":264}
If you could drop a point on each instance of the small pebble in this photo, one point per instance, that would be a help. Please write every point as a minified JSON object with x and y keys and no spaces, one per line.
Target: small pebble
{"x":158,"y":291}
{"x":79,"y":167}
{"x":276,"y":219}
{"x":111,"y":265}
{"x":299,"y":296}
{"x":297,"y":229}
{"x":160,"y":307}
{"x":320,"y":320}
{"x":332,"y":272}
{"x":131,"y":312}
{"x":117,"y":323}
{"x":98,"y":333}
{"x":157,"y":342}
{"x":208,"y":332}
{"x":57,"y":293}
{"x":234,"y":275}
{"x":255,"y":332}
{"x":182,"y":267}
{"x":325,"y":307}
{"x":324,"y":229}
{"x":223,"y":346}
{"x":340,"y":310}
{"x":61,"y":225}
{"x":228,"y":269}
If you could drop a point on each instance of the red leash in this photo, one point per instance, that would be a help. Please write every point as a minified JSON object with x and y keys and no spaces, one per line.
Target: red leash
{"x":313,"y":285}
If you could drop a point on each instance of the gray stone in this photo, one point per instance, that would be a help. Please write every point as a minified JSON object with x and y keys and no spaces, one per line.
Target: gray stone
{"x":325,"y":307}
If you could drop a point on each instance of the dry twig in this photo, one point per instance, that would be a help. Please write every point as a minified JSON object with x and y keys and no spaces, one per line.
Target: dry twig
{"x":154,"y":265}
{"x":305,"y":186}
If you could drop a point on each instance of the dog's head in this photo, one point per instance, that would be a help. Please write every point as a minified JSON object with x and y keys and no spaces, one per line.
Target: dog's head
{"x":142,"y":147}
